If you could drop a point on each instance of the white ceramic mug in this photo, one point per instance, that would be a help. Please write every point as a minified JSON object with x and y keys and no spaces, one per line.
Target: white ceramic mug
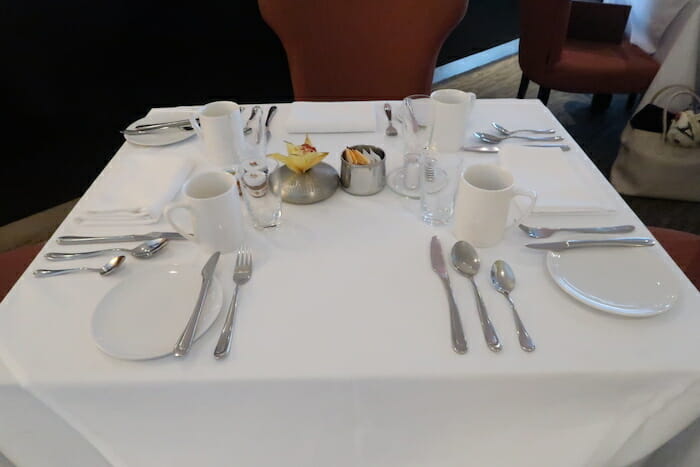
{"x":212,"y":200}
{"x":221,"y":129}
{"x":483,"y":200}
{"x":452,"y":110}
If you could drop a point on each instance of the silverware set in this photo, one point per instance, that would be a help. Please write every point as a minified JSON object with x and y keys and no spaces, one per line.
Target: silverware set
{"x":505,"y":133}
{"x":545,"y":232}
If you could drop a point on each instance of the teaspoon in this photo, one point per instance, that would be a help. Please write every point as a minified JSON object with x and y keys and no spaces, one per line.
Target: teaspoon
{"x":503,"y":280}
{"x":494,"y":139}
{"x":466,"y":260}
{"x":111,"y":265}
{"x":144,"y":250}
{"x":507,"y":132}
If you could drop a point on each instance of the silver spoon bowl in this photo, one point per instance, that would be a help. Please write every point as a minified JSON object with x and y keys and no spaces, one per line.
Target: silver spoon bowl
{"x":495,"y":139}
{"x":145,"y":250}
{"x":504,"y":131}
{"x":503,"y":281}
{"x":108,"y":268}
{"x":465,"y":259}
{"x":544,"y":232}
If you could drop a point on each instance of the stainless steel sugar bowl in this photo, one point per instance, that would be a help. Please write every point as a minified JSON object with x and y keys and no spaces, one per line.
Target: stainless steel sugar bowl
{"x":363,"y":180}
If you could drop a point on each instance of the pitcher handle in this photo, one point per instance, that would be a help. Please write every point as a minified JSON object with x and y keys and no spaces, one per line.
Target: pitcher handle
{"x":517,"y":191}
{"x":174,"y":206}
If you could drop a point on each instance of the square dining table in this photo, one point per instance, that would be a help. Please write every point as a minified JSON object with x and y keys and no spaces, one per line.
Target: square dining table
{"x":341,"y":351}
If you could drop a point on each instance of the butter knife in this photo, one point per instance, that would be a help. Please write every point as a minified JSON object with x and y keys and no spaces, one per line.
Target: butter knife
{"x":570,"y":244}
{"x":82,"y":240}
{"x":459,"y":344}
{"x":185,"y":342}
{"x":270,"y":113}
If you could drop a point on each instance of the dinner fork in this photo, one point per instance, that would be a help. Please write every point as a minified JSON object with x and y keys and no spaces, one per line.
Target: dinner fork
{"x":241,"y":274}
{"x":544,"y":232}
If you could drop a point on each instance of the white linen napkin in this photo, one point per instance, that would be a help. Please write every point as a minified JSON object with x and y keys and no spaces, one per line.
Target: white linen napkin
{"x":136,"y":190}
{"x":331,"y":117}
{"x":553,"y":174}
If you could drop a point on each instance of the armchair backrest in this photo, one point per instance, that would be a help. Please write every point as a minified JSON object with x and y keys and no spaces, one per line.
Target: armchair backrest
{"x":543,"y":27}
{"x":361,"y":49}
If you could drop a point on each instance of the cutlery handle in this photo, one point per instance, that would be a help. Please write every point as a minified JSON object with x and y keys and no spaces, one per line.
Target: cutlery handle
{"x":79,"y":240}
{"x":185,"y":342}
{"x":613,"y":229}
{"x":59,"y":272}
{"x":490,"y":335}
{"x":459,"y":344}
{"x":387,"y":111}
{"x":223,"y":346}
{"x":547,"y":131}
{"x":523,"y":337}
{"x":270,"y":114}
{"x":151,"y":126}
{"x":82,"y":254}
{"x":538,"y":138}
{"x":611,"y":242}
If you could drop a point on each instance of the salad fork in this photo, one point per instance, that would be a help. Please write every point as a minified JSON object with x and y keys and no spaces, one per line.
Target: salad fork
{"x":241,"y":274}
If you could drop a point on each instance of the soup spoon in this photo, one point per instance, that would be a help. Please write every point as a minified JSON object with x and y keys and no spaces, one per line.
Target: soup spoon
{"x":507,"y":132}
{"x":494,"y":139}
{"x":111,"y":266}
{"x":503,"y":281}
{"x":144,"y":250}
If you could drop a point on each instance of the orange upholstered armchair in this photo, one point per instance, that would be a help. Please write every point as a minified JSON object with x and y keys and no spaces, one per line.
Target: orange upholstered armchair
{"x":580,"y":47}
{"x":361,"y":49}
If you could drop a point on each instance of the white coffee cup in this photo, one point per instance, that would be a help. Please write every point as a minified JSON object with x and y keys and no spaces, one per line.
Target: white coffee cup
{"x":212,"y":200}
{"x":484,"y":197}
{"x":221,"y":129}
{"x":452,"y":110}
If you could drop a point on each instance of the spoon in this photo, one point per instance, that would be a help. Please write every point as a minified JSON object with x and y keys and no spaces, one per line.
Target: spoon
{"x":507,"y":132}
{"x":544,"y":232}
{"x":390,"y":130}
{"x":144,"y":250}
{"x":108,"y":268}
{"x":465,"y":259}
{"x":503,"y":280}
{"x":494,"y":139}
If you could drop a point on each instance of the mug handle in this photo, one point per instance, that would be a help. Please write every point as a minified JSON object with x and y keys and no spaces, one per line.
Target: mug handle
{"x":197,"y":128}
{"x":172,"y":207}
{"x":517,"y":191}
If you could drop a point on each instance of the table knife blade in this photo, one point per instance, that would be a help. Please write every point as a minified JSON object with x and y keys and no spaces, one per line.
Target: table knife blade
{"x":85,"y":240}
{"x":437,"y":261}
{"x":570,"y":244}
{"x":184,"y":343}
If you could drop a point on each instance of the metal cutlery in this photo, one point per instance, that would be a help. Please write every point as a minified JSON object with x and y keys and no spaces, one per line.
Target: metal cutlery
{"x":571,"y":244}
{"x":494,"y":139}
{"x":184,"y":343}
{"x":459,"y":344}
{"x":108,"y":268}
{"x":241,"y":274}
{"x":84,"y":240}
{"x":390,"y":130}
{"x":563,"y":147}
{"x":505,"y":131}
{"x":465,"y":259}
{"x":144,"y":250}
{"x":270,"y":113}
{"x":503,"y":280}
{"x":247,"y":129}
{"x":174,"y":123}
{"x":544,"y":232}
{"x":161,"y":129}
{"x":486,"y":149}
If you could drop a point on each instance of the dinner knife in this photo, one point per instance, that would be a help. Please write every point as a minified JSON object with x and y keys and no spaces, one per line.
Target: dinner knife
{"x":459,"y":344}
{"x":185,"y":342}
{"x":83,"y":240}
{"x":270,"y":113}
{"x":570,"y":244}
{"x":157,"y":130}
{"x":151,"y":126}
{"x":486,"y":149}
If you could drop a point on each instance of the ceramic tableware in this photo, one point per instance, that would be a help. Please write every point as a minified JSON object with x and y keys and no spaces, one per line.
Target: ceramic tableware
{"x":221,"y":129}
{"x":452,"y":110}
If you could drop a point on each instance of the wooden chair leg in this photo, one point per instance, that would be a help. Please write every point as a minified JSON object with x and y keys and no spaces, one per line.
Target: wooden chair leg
{"x":543,"y":94}
{"x":524,"y":81}
{"x":631,"y":100}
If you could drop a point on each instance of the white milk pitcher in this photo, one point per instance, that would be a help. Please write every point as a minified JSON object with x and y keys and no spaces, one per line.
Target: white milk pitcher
{"x":452,"y":110}
{"x":221,"y":128}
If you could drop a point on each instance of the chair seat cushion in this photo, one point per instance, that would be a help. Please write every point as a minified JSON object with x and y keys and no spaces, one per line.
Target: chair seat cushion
{"x":599,"y":67}
{"x":684,"y":248}
{"x":13,"y":263}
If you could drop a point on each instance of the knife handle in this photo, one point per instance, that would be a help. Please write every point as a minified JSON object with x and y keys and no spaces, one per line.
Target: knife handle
{"x":611,"y":242}
{"x":459,"y":343}
{"x":185,"y":342}
{"x":80,"y":240}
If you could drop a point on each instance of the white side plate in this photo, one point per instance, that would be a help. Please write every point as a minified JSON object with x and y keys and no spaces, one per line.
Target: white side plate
{"x":162,"y":137}
{"x":631,"y":282}
{"x":143,"y":316}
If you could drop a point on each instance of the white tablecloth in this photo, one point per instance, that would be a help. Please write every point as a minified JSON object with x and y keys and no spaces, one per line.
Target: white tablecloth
{"x":341,"y":352}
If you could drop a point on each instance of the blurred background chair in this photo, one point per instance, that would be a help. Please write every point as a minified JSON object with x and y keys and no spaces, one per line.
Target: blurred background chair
{"x":13,"y":263}
{"x":361,"y":49}
{"x":580,"y":47}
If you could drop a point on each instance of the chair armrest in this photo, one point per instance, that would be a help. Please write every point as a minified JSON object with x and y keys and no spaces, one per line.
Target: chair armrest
{"x":598,"y":22}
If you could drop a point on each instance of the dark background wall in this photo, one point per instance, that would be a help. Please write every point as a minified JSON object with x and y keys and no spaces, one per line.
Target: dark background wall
{"x":75,"y":72}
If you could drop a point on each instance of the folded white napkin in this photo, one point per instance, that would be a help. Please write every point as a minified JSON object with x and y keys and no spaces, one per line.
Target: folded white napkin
{"x":135,"y":190}
{"x":331,"y":117}
{"x":561,"y":186}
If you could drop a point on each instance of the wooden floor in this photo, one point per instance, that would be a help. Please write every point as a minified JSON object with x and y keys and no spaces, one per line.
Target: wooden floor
{"x":597,"y":133}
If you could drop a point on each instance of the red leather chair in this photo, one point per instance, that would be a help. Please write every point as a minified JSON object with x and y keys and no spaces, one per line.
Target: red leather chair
{"x":579,"y":47}
{"x":684,"y":248}
{"x":13,"y":263}
{"x":361,"y":49}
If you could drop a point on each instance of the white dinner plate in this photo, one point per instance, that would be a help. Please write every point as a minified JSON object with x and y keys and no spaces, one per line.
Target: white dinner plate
{"x":144,"y":315}
{"x":632,"y":282}
{"x":160,"y":138}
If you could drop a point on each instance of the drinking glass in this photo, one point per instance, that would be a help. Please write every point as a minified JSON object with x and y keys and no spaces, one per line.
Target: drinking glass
{"x":439,"y":177}
{"x":261,"y":193}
